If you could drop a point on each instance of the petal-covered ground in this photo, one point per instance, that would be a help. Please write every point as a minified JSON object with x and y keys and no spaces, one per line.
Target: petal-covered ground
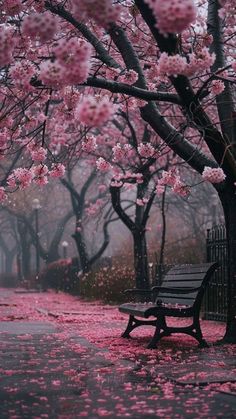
{"x":62,"y":357}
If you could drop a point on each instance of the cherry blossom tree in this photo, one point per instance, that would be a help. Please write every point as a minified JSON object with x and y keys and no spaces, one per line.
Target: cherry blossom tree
{"x":89,"y":202}
{"x":72,"y":64}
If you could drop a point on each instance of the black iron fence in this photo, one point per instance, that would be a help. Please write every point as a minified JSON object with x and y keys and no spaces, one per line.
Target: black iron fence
{"x":215,"y":302}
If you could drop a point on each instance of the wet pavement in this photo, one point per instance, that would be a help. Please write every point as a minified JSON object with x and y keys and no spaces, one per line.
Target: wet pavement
{"x":60,"y":358}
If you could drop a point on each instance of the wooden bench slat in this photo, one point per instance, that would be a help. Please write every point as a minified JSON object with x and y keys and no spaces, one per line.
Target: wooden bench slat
{"x":182,"y":284}
{"x":174,"y":301}
{"x":185,"y":277}
{"x":189,"y":269}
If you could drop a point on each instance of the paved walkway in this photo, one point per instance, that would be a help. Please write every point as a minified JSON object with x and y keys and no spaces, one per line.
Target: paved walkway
{"x":63,"y":358}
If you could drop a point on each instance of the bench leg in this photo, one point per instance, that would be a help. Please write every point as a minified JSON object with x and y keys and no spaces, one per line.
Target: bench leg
{"x":160,"y":325}
{"x":132,"y":324}
{"x":198,"y":334}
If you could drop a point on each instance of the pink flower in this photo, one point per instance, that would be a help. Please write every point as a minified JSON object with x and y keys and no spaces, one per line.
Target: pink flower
{"x":52,"y":73}
{"x":95,"y":112}
{"x":118,"y":152}
{"x":173,"y":16}
{"x":58,"y":170}
{"x":7,"y":45}
{"x":103,"y":165}
{"x":168,"y":178}
{"x":42,"y":26}
{"x":39,"y":154}
{"x":20,"y":177}
{"x":217,"y":87}
{"x":215,"y":175}
{"x":160,"y":189}
{"x":140,"y":202}
{"x":89,"y":144}
{"x":40,"y":173}
{"x":181,"y":189}
{"x":103,"y":12}
{"x":146,"y":150}
{"x":171,"y":65}
{"x":3,"y":194}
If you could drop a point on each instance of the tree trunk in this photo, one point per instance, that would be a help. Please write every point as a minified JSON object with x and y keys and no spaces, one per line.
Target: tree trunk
{"x":82,"y":251}
{"x":228,"y":200}
{"x":9,"y":257}
{"x":141,"y":260}
{"x":25,"y":254}
{"x":53,"y":255}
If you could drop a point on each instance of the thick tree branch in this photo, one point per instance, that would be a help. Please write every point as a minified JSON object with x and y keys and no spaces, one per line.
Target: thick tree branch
{"x":126,"y":89}
{"x":115,"y":199}
{"x":197,"y":117}
{"x":224,"y":100}
{"x":187,"y":151}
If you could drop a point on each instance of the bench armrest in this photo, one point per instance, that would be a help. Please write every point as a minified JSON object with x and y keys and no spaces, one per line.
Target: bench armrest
{"x":175,"y":290}
{"x":137,"y":291}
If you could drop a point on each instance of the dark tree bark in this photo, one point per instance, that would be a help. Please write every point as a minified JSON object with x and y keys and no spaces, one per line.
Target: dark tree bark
{"x":140,"y":259}
{"x":137,"y":229}
{"x":78,"y":204}
{"x":25,"y":244}
{"x":228,"y":200}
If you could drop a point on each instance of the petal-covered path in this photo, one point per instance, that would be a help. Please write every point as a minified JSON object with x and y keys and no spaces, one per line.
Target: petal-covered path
{"x":62,"y":357}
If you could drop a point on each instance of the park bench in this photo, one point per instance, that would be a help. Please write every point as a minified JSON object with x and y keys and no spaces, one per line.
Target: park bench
{"x":180,"y":295}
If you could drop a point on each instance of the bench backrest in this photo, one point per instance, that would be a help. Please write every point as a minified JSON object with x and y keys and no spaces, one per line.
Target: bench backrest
{"x":186,"y":276}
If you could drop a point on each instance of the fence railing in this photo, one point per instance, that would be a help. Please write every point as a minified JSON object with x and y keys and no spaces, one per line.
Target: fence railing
{"x":215,"y":301}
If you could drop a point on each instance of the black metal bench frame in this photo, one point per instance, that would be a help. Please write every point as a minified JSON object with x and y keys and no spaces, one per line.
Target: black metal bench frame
{"x":199,"y":274}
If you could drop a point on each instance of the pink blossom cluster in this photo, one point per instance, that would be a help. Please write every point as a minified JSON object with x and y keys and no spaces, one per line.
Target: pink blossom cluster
{"x":180,"y":188}
{"x":103,"y":165}
{"x":94,"y":112}
{"x":40,"y":173}
{"x":21,"y":73}
{"x":20,"y":177}
{"x":102,"y":12}
{"x":41,"y":26}
{"x":11,"y":7}
{"x":130,"y":77}
{"x":171,"y":178}
{"x":146,"y":150}
{"x":7,"y":45}
{"x":200,"y":61}
{"x":141,"y":202}
{"x":213,"y":175}
{"x":118,"y":152}
{"x":173,"y":16}
{"x":57,"y":170}
{"x":3,"y":140}
{"x":52,"y":74}
{"x":228,"y":11}
{"x":71,"y":66}
{"x":93,"y":209}
{"x":119,"y":179}
{"x":172,"y":65}
{"x":3,"y":194}
{"x":217,"y":87}
{"x":39,"y":154}
{"x":89,"y":144}
{"x":168,"y":178}
{"x":233,"y":65}
{"x":74,"y":56}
